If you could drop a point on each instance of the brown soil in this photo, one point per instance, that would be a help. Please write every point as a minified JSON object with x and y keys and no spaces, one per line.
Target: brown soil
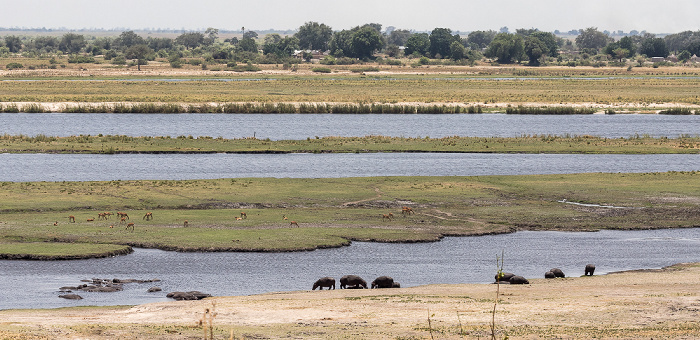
{"x":631,"y":305}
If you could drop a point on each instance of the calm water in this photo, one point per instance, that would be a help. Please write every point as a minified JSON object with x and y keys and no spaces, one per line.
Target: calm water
{"x":34,"y":284}
{"x":302,"y":126}
{"x":51,"y":167}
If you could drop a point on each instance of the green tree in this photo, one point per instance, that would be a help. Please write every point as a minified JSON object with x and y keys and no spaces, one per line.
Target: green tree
{"x":534,"y":49}
{"x":72,"y":43}
{"x":250,"y":34}
{"x":159,"y":44}
{"x":138,"y":52}
{"x":13,"y":43}
{"x":398,"y":37}
{"x":211,"y":35}
{"x":281,"y":47}
{"x":248,"y":45}
{"x":550,"y":42}
{"x":314,"y":36}
{"x":44,"y":44}
{"x":190,"y":40}
{"x":684,"y":56}
{"x":654,"y":47}
{"x":127,"y":39}
{"x":481,"y":39}
{"x":418,"y":43}
{"x":457,"y":51}
{"x":440,"y":41}
{"x":365,"y":42}
{"x":592,"y":39}
{"x":341,"y":44}
{"x":506,"y":48}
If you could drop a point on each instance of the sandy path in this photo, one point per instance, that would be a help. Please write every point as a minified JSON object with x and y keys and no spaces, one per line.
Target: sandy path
{"x":649,"y":304}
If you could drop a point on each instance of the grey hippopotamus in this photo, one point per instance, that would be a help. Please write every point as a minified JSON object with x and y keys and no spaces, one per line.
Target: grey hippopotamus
{"x":324,"y":282}
{"x":352,"y":281}
{"x":590,"y":268}
{"x":383,"y":282}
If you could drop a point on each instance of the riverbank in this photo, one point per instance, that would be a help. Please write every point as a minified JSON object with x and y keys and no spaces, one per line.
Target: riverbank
{"x":637,"y":304}
{"x":534,"y":144}
{"x":207,"y":215}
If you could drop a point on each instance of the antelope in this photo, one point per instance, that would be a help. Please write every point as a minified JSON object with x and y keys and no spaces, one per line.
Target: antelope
{"x":71,"y":218}
{"x":130,"y":225}
{"x":102,"y":216}
{"x":148,"y":216}
{"x":186,"y":224}
{"x":294,"y":223}
{"x":238,"y":218}
{"x":122,"y":215}
{"x":123,"y":220}
{"x":90,"y":219}
{"x":406,"y":211}
{"x":108,"y":214}
{"x":284,"y":217}
{"x":243,"y":214}
{"x":388,"y":216}
{"x":55,"y":223}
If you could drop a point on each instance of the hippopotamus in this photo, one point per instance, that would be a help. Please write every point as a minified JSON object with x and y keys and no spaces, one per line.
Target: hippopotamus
{"x":324,"y":282}
{"x":504,"y":277}
{"x":383,"y":282}
{"x":518,"y":280}
{"x":557,"y":272}
{"x":590,"y":268}
{"x":350,"y":281}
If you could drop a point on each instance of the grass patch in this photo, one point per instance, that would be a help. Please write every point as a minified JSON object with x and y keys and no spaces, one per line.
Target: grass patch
{"x":333,"y":212}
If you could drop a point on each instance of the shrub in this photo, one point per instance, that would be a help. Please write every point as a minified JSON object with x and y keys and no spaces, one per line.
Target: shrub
{"x":120,"y":60}
{"x":677,"y":111}
{"x":14,"y":66}
{"x":321,"y":69}
{"x":80,"y":59}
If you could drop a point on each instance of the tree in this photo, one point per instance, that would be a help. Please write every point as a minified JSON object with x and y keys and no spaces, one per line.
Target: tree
{"x":248,"y":45}
{"x":534,"y":49}
{"x":14,"y":43}
{"x":45,"y":44}
{"x":314,"y":36}
{"x":591,"y":38}
{"x":616,"y":49}
{"x":457,"y":51}
{"x":127,"y":39}
{"x":211,"y":35}
{"x":684,"y":56}
{"x":654,"y":47}
{"x":159,"y":44}
{"x":250,"y":34}
{"x":190,"y":40}
{"x":72,"y":43}
{"x":418,"y":43}
{"x":506,"y":47}
{"x":138,"y":52}
{"x":440,"y":41}
{"x":365,"y":42}
{"x":340,"y":45}
{"x":550,"y":42}
{"x":481,"y":39}
{"x":281,"y":47}
{"x":398,"y":37}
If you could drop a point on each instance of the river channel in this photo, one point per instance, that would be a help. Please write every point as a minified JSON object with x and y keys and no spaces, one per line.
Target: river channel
{"x":302,"y":126}
{"x":34,"y":284}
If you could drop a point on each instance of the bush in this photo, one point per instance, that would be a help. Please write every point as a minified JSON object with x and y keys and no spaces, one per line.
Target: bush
{"x":120,"y":60}
{"x":424,"y":61}
{"x":321,"y":69}
{"x":81,"y":59}
{"x":13,"y":66}
{"x":246,"y":68}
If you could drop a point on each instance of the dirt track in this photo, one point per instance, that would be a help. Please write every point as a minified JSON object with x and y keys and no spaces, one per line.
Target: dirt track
{"x":641,"y":304}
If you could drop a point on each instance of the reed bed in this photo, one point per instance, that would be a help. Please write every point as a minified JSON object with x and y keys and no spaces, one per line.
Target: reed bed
{"x":553,"y":110}
{"x":678,"y":111}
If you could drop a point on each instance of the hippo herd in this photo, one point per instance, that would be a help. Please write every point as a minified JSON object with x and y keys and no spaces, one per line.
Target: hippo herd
{"x":550,"y":274}
{"x":355,"y":282}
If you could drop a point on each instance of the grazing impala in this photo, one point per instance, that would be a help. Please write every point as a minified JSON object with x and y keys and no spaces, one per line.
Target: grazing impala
{"x":71,"y":218}
{"x":130,"y":225}
{"x":406,"y":211}
{"x":148,"y":216}
{"x":185,"y":224}
{"x":243,"y":214}
{"x":292,"y":223}
{"x":388,"y":216}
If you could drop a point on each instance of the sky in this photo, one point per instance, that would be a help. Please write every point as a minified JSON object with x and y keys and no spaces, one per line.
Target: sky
{"x":669,"y":16}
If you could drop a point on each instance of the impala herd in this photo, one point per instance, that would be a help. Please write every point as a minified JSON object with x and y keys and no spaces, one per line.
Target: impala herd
{"x":123,"y":217}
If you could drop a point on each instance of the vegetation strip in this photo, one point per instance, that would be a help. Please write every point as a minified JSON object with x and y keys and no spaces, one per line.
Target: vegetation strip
{"x":115,"y":144}
{"x":206,"y":215}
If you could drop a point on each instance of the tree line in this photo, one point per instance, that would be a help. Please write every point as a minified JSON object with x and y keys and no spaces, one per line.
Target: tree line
{"x":361,"y":43}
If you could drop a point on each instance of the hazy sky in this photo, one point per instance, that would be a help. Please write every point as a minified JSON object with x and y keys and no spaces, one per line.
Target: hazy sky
{"x":670,"y":16}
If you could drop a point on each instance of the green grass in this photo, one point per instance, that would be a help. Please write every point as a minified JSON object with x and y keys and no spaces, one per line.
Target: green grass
{"x":111,"y":144}
{"x":333,"y":212}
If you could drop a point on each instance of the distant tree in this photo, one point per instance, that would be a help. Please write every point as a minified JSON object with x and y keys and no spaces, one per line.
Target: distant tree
{"x":14,"y":43}
{"x":616,"y":49}
{"x":250,"y":34}
{"x":159,"y":44}
{"x":248,"y":45}
{"x":392,"y":50}
{"x":549,"y":40}
{"x":341,"y":44}
{"x":418,"y":43}
{"x":138,"y":52}
{"x":654,"y":47}
{"x":211,"y":35}
{"x":314,"y":36}
{"x":592,"y":39}
{"x":481,"y":39}
{"x":72,"y":43}
{"x":281,"y":47}
{"x":127,"y":39}
{"x":366,"y":41}
{"x":506,"y":48}
{"x":457,"y":51}
{"x":504,"y":29}
{"x":45,"y":44}
{"x":190,"y":40}
{"x":684,"y":56}
{"x":534,"y":49}
{"x":398,"y":37}
{"x":440,"y":41}
{"x":377,"y":27}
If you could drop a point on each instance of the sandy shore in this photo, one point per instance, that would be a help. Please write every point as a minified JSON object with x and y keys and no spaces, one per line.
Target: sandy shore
{"x":631,"y":305}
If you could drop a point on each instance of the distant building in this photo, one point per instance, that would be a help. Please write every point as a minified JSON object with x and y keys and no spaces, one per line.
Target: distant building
{"x":672,"y":58}
{"x":657,"y":59}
